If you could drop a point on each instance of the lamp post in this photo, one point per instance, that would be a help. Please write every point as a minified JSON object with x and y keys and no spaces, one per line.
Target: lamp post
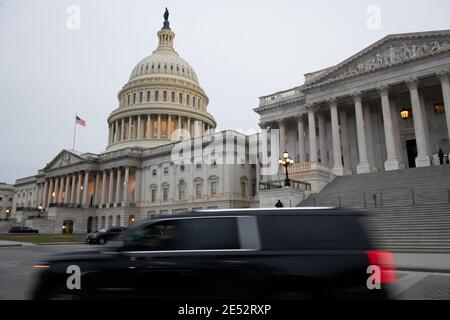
{"x":405,"y":114}
{"x":286,"y":162}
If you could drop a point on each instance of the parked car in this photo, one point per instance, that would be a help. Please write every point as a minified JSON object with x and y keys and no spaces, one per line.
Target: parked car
{"x":259,"y":254}
{"x":104,"y":235}
{"x":22,"y":230}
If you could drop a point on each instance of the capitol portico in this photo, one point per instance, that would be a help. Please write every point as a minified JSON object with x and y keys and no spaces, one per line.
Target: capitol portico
{"x":385,"y":108}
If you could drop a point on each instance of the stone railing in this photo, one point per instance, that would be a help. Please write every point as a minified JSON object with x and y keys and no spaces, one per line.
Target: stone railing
{"x":299,"y":167}
{"x":279,"y":97}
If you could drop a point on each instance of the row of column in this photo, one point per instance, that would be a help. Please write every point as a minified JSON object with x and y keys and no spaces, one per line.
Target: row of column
{"x":363,"y":122}
{"x":107,"y":190}
{"x":159,"y":126}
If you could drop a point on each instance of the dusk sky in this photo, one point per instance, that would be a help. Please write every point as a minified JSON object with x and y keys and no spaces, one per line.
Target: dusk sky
{"x":241,"y":50}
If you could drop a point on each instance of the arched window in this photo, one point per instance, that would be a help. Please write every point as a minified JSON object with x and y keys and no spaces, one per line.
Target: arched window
{"x":193,"y":101}
{"x":157,"y":96}
{"x":165,"y":96}
{"x":141,"y":96}
{"x":153,"y":192}
{"x":181,"y":190}
{"x":180,"y":98}
{"x":172,"y":98}
{"x":198,"y":188}
{"x":165,"y":192}
{"x":110,"y":221}
{"x":148,"y":96}
{"x":213,"y":186}
{"x":187,"y":99}
{"x":128,"y":100}
{"x":134,"y":98}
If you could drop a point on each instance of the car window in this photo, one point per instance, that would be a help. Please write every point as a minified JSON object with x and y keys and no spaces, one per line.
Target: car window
{"x":312,"y":233}
{"x":185,"y":234}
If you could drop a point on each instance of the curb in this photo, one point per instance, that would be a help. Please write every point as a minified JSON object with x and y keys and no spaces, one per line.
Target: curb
{"x":58,"y":243}
{"x":10,"y":245}
{"x":427,"y":270}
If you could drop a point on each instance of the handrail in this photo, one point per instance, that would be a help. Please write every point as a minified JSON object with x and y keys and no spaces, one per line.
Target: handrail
{"x":279,"y":184}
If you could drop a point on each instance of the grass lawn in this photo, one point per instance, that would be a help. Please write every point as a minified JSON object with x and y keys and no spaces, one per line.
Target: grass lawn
{"x":43,"y":238}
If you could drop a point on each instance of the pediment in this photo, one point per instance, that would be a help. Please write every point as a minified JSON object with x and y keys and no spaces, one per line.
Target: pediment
{"x":63,"y":159}
{"x":390,"y":51}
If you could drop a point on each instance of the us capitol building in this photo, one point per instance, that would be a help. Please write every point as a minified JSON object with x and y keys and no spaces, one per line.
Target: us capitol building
{"x":386,"y":108}
{"x":135,"y":178}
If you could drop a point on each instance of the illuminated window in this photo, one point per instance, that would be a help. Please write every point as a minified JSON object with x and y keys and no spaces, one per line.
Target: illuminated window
{"x":155,"y":128}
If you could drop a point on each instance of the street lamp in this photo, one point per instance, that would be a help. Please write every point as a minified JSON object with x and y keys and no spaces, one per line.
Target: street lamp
{"x":286,"y":162}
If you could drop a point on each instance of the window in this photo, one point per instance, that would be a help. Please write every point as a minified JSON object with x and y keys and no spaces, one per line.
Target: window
{"x":153,"y":196}
{"x":243,"y":189}
{"x":198,"y":165}
{"x":165,"y":96}
{"x":439,"y":108}
{"x":180,"y":98}
{"x":182,"y":168}
{"x":148,"y":96}
{"x":128,"y":100}
{"x":193,"y":101}
{"x":311,"y":233}
{"x":157,"y":96}
{"x":214,"y":188}
{"x":141,"y":96}
{"x":181,"y":190}
{"x":134,"y":98}
{"x":154,"y":172}
{"x":165,"y":193}
{"x":187,"y":99}
{"x":198,"y":189}
{"x":172,"y":96}
{"x":166,"y":170}
{"x":253,"y":189}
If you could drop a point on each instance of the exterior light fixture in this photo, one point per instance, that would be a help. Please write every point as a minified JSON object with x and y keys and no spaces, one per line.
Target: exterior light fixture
{"x":405,"y":114}
{"x":286,"y":162}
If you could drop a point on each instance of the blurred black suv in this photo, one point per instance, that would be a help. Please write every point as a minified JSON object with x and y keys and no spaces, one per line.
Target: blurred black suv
{"x":104,"y":235}
{"x":262,"y":254}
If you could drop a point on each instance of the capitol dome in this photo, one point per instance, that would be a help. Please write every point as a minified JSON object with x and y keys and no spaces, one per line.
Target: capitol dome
{"x":162,"y":95}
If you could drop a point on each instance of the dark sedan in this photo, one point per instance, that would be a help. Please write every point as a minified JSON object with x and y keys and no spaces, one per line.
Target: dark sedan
{"x":22,"y":230}
{"x":262,"y":254}
{"x":104,"y":235}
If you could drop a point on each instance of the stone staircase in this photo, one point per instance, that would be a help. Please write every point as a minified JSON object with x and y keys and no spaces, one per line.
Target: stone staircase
{"x":411,"y":210}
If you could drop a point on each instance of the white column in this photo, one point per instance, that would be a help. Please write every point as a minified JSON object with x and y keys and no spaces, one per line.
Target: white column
{"x":125,"y":187}
{"x":392,"y":163}
{"x":159,"y":126}
{"x":445,"y":83}
{"x":80,"y":178}
{"x":66,"y":191}
{"x":312,"y":135}
{"x":282,"y":129}
{"x":322,"y":140}
{"x":102,"y":201}
{"x":50,"y":193}
{"x":338,"y":168}
{"x":169,"y":120}
{"x":86,"y":189}
{"x":369,"y":137}
{"x":130,"y":121}
{"x":345,"y":142}
{"x":138,"y":134}
{"x":423,"y":159}
{"x":73,"y":189}
{"x":61,"y":189}
{"x":137,"y":185}
{"x":122,"y":131}
{"x":45,"y":195}
{"x":96,"y":185}
{"x":149,"y":127}
{"x":363,"y":166}
{"x":118,"y":186}
{"x":301,"y":139}
{"x":56,"y":198}
{"x":111,"y":186}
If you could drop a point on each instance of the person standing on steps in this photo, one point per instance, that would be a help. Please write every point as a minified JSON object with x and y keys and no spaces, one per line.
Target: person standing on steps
{"x":441,"y":157}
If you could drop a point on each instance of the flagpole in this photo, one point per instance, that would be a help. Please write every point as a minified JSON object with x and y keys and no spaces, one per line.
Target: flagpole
{"x":74,"y":132}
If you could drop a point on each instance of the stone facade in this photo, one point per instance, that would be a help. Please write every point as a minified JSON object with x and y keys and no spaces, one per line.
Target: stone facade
{"x":347,"y":119}
{"x":6,"y":200}
{"x":161,"y":108}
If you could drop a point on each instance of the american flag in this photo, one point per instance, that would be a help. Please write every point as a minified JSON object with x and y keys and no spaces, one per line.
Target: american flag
{"x":80,"y":121}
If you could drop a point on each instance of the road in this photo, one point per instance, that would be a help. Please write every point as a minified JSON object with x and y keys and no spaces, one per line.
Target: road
{"x":16,"y":275}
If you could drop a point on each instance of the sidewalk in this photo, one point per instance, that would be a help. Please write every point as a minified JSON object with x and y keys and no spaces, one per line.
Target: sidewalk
{"x":425,"y":262}
{"x":4,"y":244}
